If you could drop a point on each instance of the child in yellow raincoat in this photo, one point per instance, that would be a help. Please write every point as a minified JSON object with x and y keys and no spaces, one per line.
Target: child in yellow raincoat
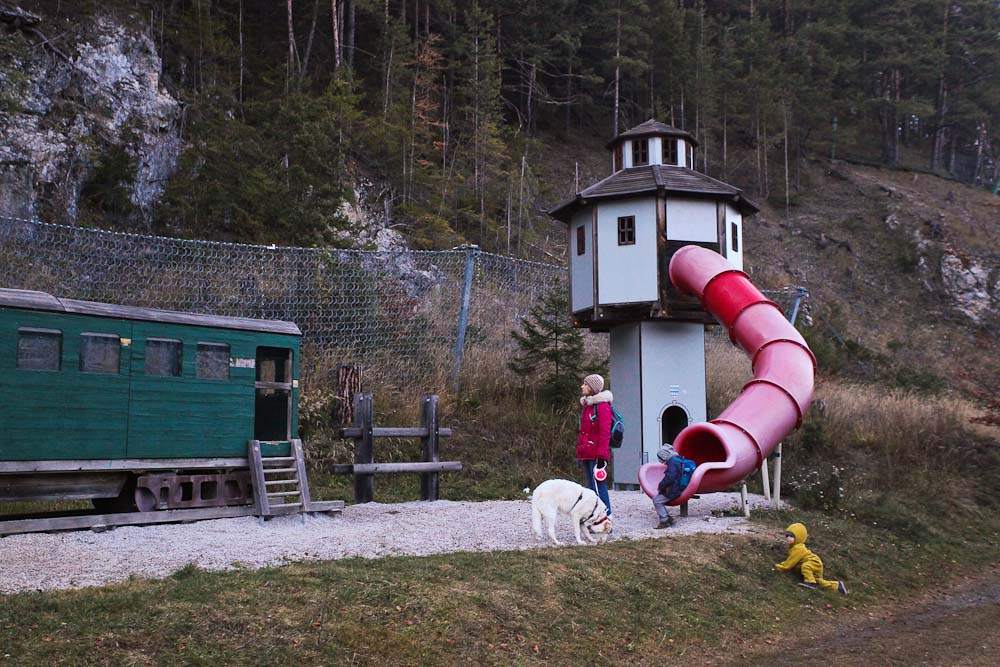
{"x":809,"y":563}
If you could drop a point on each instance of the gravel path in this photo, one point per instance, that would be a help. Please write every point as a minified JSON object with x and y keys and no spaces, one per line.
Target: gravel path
{"x":374,"y":530}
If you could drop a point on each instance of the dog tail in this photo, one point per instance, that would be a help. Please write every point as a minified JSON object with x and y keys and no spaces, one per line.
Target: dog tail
{"x":536,"y":520}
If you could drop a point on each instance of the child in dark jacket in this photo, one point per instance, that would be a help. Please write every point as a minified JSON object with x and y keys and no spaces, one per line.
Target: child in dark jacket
{"x":669,"y":487}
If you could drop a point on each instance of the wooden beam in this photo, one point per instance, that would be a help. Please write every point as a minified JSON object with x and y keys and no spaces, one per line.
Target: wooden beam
{"x":662,"y":280}
{"x":384,"y":468}
{"x":18,"y":526}
{"x":393,"y":432}
{"x":259,"y":484}
{"x":429,"y":481}
{"x":364,"y":484}
{"x":72,"y":465}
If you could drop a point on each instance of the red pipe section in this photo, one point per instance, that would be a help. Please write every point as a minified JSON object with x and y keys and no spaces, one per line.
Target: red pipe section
{"x":771,"y":405}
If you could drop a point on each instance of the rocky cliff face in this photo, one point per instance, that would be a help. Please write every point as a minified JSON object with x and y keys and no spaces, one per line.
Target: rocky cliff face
{"x":75,"y":104}
{"x":967,"y":277}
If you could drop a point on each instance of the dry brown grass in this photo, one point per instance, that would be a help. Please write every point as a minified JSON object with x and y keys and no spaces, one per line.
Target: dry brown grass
{"x":890,"y":438}
{"x":911,"y":438}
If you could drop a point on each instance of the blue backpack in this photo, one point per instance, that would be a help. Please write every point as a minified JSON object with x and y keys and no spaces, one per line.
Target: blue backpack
{"x":617,"y":428}
{"x":687,"y":469}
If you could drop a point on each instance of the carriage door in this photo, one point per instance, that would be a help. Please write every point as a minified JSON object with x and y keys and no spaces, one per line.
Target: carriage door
{"x":273,"y":404}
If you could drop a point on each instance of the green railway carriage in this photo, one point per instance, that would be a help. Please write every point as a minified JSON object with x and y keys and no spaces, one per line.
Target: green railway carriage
{"x":106,"y":401}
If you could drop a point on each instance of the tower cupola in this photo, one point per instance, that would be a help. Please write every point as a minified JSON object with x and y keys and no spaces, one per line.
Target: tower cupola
{"x":652,"y":143}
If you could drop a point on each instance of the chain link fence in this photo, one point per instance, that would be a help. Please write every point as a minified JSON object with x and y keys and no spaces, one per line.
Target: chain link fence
{"x":399,"y":313}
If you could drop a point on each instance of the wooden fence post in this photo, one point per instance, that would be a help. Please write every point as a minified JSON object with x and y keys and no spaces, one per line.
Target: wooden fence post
{"x":364,"y":485}
{"x":429,"y":481}
{"x":348,"y":384}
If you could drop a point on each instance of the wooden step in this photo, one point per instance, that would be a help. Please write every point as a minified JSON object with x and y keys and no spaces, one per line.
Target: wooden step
{"x":297,"y":482}
{"x":277,"y":459}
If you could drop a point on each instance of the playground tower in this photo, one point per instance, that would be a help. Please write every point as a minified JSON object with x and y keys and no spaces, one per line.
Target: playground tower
{"x":623,"y":231}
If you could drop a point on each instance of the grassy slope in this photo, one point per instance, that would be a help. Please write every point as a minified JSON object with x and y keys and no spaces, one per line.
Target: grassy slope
{"x":659,"y":602}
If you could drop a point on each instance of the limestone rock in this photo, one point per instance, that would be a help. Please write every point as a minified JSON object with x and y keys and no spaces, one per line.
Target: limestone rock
{"x":973,"y":287}
{"x":68,"y":105}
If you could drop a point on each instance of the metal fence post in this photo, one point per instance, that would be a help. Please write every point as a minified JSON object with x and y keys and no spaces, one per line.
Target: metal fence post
{"x":799,"y":294}
{"x":463,"y":314}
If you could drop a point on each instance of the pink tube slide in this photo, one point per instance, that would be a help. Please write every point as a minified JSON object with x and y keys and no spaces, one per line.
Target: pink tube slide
{"x":771,"y":405}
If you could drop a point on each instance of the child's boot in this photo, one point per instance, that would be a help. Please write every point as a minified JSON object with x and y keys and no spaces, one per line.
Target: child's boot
{"x":841,"y":588}
{"x":665,"y":523}
{"x":806,"y":584}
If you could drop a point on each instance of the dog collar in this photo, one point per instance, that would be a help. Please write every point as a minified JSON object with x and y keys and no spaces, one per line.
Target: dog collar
{"x":600,"y":521}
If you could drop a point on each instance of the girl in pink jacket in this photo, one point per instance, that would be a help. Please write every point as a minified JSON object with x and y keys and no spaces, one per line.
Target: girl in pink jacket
{"x":593,"y":445}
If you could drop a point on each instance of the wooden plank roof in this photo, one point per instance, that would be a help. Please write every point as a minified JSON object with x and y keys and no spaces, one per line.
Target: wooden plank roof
{"x":654,"y":178}
{"x":31,"y":300}
{"x":653,"y":128}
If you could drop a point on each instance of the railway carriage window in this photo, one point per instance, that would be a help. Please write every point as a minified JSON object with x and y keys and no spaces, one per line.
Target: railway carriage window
{"x":273,"y":364}
{"x":39,"y":349}
{"x":212,"y":361}
{"x":99,"y":353}
{"x":163,"y":357}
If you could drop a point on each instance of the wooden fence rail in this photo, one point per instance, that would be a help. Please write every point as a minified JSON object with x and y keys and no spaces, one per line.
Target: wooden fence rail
{"x":364,"y":468}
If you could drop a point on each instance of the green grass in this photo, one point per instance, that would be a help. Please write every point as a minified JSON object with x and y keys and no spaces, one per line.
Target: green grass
{"x":655,"y":602}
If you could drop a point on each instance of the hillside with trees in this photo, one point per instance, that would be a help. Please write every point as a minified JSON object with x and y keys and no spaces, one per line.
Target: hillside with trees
{"x":471,"y":117}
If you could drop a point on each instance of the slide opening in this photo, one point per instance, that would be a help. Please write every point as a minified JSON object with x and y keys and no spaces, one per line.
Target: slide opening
{"x":701,"y":445}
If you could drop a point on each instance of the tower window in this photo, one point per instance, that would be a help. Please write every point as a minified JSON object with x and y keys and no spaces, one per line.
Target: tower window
{"x":670,"y":151}
{"x":581,"y":240}
{"x":626,"y":230}
{"x":690,"y":163}
{"x":736,"y":236}
{"x":640,"y":152}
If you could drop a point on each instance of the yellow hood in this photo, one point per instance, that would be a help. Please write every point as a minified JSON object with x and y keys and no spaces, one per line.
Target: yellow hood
{"x":799,"y":531}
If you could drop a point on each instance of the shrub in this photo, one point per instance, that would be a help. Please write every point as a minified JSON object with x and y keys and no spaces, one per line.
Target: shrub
{"x":815,"y":489}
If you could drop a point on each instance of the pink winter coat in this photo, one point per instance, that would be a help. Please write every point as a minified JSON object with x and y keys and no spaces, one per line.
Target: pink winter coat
{"x":594,"y":441}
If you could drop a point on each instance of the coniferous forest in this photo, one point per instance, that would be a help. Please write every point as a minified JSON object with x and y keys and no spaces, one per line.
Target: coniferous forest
{"x":451,"y":110}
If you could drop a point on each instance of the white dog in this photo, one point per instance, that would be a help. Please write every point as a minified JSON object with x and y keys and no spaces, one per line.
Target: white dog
{"x":561,"y":496}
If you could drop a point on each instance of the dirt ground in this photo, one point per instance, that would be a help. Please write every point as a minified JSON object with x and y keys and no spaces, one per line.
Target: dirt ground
{"x":954,"y":627}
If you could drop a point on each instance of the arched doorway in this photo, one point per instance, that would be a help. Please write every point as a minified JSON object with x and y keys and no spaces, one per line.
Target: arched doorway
{"x":673,"y":420}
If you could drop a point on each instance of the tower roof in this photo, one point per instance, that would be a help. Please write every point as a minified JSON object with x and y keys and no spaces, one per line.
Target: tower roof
{"x":653,"y":128}
{"x":651,"y":179}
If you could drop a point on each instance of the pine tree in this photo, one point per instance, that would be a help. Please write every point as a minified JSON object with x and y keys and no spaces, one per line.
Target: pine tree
{"x":550,"y":349}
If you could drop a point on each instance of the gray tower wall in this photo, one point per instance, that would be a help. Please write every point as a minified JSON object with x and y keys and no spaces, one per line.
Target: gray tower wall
{"x":581,"y":266}
{"x":654,"y":365}
{"x":627,"y":389}
{"x":626,"y":273}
